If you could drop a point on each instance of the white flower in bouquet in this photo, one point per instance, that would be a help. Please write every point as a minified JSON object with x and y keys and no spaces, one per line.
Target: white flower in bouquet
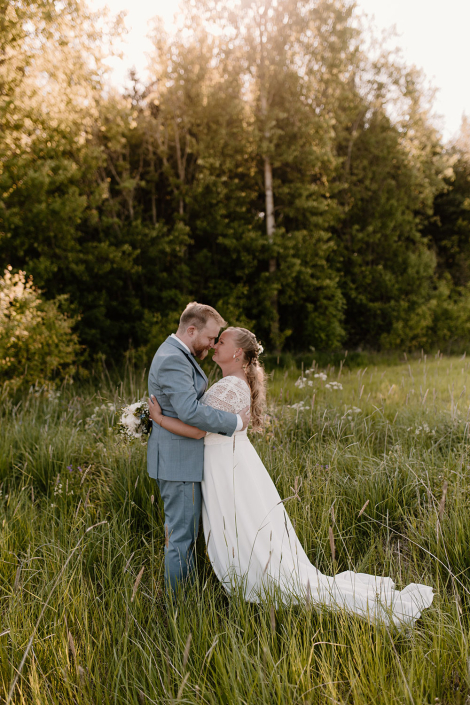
{"x":135,"y":420}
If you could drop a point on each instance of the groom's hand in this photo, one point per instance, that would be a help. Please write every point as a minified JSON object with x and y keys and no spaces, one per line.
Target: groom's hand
{"x":245,"y":417}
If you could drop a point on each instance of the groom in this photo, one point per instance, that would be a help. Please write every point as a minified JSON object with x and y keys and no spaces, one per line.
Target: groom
{"x":177,"y":463}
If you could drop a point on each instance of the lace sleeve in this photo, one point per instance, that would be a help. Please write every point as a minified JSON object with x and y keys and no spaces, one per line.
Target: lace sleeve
{"x":229,"y":394}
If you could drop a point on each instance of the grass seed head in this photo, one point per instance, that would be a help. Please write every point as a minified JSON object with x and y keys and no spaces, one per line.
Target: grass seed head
{"x":137,"y":582}
{"x":16,"y":584}
{"x":186,"y":650}
{"x":363,"y":508}
{"x":72,"y":648}
{"x":272,"y":617}
{"x":332,"y":543}
{"x":442,"y":503}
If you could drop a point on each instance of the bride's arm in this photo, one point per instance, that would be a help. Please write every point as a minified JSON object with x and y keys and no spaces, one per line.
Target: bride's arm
{"x":175,"y":426}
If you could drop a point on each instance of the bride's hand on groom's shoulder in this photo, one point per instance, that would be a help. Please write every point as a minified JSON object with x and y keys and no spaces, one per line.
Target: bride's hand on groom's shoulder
{"x":155,"y":410}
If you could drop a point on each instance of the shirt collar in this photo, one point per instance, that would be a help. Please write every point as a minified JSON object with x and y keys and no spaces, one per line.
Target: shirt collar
{"x":181,"y":343}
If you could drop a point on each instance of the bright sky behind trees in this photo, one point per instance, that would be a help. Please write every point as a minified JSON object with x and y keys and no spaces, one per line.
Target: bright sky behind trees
{"x":432,"y":35}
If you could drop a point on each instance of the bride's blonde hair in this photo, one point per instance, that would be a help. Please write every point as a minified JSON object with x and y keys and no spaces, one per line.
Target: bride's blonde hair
{"x":246,"y":340}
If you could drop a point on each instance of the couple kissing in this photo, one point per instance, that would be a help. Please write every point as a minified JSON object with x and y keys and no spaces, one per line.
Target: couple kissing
{"x":203,"y":461}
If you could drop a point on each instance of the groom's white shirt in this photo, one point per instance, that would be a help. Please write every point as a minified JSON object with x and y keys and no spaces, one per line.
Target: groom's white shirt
{"x":239,"y":420}
{"x":181,"y":343}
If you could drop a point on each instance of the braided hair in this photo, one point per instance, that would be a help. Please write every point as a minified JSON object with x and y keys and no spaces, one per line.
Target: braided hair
{"x":246,"y":340}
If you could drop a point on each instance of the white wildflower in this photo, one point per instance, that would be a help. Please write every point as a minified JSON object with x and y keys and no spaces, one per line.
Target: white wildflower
{"x":350,"y":412}
{"x":424,"y":429}
{"x":89,"y":422}
{"x":52,"y":395}
{"x":321,"y":375}
{"x":301,"y":382}
{"x":334,"y":385}
{"x":300,"y":406}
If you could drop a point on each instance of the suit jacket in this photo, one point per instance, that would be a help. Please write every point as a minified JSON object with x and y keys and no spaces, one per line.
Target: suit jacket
{"x":178,"y":383}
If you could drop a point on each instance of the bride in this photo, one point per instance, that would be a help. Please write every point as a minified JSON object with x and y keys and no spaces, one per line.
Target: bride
{"x":250,"y":539}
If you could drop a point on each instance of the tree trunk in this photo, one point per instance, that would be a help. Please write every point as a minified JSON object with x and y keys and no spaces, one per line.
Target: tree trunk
{"x":153,"y":199}
{"x":268,"y":188}
{"x":270,"y":226}
{"x":181,"y":164}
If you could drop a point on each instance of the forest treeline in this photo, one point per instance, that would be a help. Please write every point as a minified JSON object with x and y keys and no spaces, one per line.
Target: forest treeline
{"x":279,"y":165}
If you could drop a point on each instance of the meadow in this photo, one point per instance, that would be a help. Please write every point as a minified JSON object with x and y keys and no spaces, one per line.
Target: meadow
{"x":376,"y":463}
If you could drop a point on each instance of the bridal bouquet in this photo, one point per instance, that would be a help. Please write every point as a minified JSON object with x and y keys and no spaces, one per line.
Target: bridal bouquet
{"x":135,"y":421}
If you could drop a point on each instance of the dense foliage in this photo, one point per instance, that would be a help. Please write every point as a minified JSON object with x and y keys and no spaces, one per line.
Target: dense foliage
{"x":36,"y":339}
{"x":277,"y":168}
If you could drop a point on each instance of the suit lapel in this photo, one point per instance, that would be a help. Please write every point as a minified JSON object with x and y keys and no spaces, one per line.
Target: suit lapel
{"x":175,"y":342}
{"x":194,"y":362}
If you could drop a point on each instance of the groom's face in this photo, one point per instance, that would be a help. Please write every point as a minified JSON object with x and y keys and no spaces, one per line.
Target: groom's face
{"x":205,"y":338}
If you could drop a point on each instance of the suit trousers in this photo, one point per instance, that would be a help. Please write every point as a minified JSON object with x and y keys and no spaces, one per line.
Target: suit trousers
{"x":182,"y":503}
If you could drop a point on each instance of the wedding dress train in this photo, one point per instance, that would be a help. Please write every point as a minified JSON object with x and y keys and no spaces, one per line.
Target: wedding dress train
{"x":252,"y":544}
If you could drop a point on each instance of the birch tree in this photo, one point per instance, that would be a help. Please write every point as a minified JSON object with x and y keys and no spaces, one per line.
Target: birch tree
{"x":276,"y":43}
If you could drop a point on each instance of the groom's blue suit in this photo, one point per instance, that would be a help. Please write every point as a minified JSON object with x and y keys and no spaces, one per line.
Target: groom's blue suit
{"x":177,"y":463}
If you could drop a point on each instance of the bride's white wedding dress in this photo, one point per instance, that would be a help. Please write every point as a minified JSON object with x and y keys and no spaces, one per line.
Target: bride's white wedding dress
{"x":252,"y":544}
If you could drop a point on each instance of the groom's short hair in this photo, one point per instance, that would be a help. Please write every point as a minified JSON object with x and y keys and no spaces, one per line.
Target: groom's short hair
{"x":197,"y":315}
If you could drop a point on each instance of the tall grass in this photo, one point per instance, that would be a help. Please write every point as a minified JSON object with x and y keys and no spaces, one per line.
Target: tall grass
{"x":381,"y":488}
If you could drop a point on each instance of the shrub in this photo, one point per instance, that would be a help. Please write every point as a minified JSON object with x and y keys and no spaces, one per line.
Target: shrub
{"x":37,"y":344}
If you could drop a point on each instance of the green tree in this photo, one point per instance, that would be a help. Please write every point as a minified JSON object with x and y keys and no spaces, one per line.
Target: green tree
{"x":37,"y":344}
{"x":265,"y":48}
{"x":392,"y":170}
{"x":449,"y":227}
{"x":50,"y":161}
{"x":274,"y":167}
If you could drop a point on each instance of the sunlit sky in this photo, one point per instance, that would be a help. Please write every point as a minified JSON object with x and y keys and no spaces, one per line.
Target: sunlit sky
{"x":432,"y":34}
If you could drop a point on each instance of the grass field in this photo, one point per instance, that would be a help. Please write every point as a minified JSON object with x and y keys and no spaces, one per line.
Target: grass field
{"x":81,"y":547}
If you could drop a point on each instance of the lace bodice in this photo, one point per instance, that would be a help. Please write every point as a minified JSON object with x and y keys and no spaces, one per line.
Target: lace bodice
{"x":229,"y":394}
